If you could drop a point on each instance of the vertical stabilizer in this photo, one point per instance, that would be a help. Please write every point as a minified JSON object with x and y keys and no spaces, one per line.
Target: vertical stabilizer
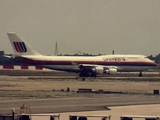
{"x":20,"y":46}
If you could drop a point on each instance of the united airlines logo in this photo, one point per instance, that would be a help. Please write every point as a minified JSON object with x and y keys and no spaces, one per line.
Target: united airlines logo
{"x":20,"y":47}
{"x":114,"y":59}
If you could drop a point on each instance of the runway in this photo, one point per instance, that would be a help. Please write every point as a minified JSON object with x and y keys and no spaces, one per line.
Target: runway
{"x":77,"y":104}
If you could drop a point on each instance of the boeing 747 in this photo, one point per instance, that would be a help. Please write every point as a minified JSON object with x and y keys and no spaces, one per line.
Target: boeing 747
{"x":85,"y":66}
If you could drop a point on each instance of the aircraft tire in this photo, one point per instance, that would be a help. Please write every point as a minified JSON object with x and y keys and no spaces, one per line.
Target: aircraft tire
{"x":93,"y":74}
{"x":140,"y":74}
{"x":84,"y":74}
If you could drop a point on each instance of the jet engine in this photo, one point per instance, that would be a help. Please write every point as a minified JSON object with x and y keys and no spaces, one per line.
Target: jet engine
{"x":111,"y":71}
{"x":98,"y":69}
{"x":92,"y":72}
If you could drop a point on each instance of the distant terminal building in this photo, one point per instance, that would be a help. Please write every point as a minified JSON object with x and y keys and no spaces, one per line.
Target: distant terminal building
{"x":8,"y":61}
{"x":1,"y":57}
{"x":10,"y":64}
{"x":1,"y":53}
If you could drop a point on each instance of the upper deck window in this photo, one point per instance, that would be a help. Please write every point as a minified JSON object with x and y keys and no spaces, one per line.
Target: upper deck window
{"x":133,"y":57}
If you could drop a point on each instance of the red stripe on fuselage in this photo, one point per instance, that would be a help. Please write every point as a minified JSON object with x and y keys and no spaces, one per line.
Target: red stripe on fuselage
{"x":40,"y":62}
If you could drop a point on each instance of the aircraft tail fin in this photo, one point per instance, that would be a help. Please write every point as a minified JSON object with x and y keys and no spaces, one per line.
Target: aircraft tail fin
{"x":20,"y":46}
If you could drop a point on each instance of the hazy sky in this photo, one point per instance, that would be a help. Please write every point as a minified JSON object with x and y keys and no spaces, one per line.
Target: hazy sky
{"x":90,"y":26}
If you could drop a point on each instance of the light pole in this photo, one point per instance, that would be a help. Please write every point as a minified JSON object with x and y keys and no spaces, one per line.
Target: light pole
{"x":13,"y":110}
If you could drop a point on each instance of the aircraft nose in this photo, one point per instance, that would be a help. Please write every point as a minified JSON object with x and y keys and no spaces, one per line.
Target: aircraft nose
{"x":154,"y":63}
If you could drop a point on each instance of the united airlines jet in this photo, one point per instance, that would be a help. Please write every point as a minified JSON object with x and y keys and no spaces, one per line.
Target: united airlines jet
{"x":85,"y":66}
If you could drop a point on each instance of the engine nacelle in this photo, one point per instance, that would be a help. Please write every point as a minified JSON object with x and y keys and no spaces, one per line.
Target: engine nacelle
{"x":111,"y":71}
{"x":98,"y":69}
{"x":101,"y":70}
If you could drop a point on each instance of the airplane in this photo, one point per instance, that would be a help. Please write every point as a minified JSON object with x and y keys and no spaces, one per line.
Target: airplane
{"x":84,"y":65}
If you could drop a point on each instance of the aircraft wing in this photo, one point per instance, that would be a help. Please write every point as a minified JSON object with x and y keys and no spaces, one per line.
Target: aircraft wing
{"x":94,"y":65}
{"x":7,"y":56}
{"x":96,"y":68}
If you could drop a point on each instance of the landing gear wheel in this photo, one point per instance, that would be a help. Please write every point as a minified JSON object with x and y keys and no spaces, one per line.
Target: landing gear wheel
{"x":93,"y":74}
{"x":83,"y":79}
{"x":140,"y":74}
{"x":84,"y":74}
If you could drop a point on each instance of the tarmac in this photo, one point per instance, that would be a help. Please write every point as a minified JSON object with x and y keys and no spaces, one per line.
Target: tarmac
{"x":117,"y":111}
{"x":137,"y":97}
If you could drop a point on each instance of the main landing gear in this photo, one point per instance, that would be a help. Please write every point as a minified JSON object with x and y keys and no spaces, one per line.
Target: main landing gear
{"x":140,"y":74}
{"x":88,"y":74}
{"x":85,"y":74}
